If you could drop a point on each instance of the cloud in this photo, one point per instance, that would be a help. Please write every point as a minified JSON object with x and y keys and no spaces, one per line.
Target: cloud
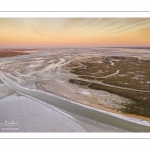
{"x":38,"y":32}
{"x":75,"y":30}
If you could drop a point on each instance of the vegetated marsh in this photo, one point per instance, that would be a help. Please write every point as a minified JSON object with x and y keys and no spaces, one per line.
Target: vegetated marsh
{"x":132,"y":81}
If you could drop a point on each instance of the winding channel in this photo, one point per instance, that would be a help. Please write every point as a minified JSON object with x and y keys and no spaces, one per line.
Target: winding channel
{"x":75,"y":108}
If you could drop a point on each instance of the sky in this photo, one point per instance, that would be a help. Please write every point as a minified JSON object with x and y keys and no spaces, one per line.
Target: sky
{"x":75,"y":32}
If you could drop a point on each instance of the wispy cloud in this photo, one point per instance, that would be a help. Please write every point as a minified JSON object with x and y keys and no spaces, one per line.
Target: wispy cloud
{"x":75,"y":31}
{"x":40,"y":33}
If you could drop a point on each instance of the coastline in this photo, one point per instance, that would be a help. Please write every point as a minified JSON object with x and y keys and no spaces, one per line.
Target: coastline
{"x":54,"y":80}
{"x":76,"y":108}
{"x":125,"y":116}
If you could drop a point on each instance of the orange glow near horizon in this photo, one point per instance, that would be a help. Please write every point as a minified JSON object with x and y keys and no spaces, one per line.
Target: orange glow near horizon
{"x":75,"y":32}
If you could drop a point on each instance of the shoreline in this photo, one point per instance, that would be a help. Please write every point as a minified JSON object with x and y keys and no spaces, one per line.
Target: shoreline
{"x":124,"y":116}
{"x":104,"y":116}
{"x":118,"y":114}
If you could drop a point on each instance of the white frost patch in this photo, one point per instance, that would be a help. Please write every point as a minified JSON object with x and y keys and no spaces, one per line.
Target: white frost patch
{"x":116,"y":60}
{"x":112,"y":63}
{"x":61,"y":81}
{"x":137,"y":77}
{"x":51,"y":66}
{"x":122,"y":75}
{"x":148,"y":82}
{"x":110,"y":74}
{"x":100,"y":62}
{"x":99,"y":71}
{"x":86,"y":92}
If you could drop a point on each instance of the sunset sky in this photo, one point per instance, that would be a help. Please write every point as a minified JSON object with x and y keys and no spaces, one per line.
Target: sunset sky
{"x":75,"y":32}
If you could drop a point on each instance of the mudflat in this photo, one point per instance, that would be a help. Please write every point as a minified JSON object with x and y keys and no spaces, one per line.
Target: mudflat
{"x":92,"y":77}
